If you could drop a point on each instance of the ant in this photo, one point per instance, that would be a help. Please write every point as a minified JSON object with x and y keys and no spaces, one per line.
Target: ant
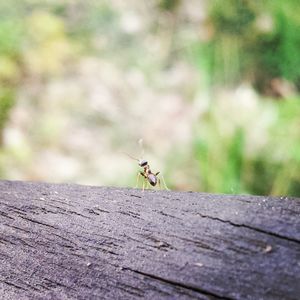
{"x":149,"y":176}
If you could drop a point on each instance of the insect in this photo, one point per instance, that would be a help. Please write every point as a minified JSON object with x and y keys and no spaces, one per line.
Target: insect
{"x":148,"y":176}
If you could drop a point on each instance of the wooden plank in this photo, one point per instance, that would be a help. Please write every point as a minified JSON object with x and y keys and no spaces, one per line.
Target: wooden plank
{"x":81,"y":242}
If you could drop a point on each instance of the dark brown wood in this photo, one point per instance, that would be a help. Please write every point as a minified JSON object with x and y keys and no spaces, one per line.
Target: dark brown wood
{"x":62,"y":241}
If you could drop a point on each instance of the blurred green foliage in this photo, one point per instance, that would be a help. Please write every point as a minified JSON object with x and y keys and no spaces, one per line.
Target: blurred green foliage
{"x":253,"y":40}
{"x":169,"y":5}
{"x":6,"y":103}
{"x":10,"y":53}
{"x":256,"y":42}
{"x":226,"y":166}
{"x":32,"y":43}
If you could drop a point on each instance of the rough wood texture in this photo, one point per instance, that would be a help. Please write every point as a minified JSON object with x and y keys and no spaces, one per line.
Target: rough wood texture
{"x":80,"y":242}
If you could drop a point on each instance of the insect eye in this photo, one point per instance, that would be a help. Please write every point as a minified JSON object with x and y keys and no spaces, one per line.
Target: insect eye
{"x":143,"y":163}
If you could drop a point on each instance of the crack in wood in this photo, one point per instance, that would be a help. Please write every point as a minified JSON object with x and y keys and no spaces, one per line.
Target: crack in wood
{"x":101,"y":210}
{"x":132,"y":195}
{"x":18,"y":228}
{"x":39,"y":222}
{"x":179,"y":284}
{"x":6,"y":215}
{"x":251,"y":227}
{"x":72,"y":212}
{"x":167,"y":215}
{"x":13,"y":285}
{"x":130,"y":214}
{"x":92,"y":211}
{"x":131,"y":290}
{"x":103,"y":250}
{"x":55,"y":283}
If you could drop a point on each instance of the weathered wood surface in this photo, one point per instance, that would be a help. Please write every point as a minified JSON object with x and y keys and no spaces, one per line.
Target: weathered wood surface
{"x":80,"y":242}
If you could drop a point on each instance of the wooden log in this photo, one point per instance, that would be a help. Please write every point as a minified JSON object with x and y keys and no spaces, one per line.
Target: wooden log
{"x":63,"y":241}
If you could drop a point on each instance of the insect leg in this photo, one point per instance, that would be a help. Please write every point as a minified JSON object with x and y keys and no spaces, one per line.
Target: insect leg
{"x":159,"y":183}
{"x":148,"y":185}
{"x":163,"y":180}
{"x":137,"y":179}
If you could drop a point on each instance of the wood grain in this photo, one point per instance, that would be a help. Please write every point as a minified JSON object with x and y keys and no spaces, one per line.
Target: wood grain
{"x":62,"y":241}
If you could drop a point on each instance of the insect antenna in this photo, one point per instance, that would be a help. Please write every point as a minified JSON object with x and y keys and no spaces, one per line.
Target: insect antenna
{"x":130,"y":156}
{"x":141,"y":144}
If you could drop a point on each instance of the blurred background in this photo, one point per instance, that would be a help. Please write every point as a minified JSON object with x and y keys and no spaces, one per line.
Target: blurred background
{"x":211,"y":86}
